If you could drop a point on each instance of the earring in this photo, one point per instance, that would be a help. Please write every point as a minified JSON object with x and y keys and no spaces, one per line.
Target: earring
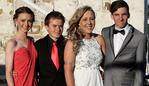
{"x":16,"y":25}
{"x":30,"y":30}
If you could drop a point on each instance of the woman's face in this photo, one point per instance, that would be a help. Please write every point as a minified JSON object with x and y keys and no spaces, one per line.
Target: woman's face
{"x":87,"y":22}
{"x":24,"y":22}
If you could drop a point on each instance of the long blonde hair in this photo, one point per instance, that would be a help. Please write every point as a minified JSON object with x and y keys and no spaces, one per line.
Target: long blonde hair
{"x":73,"y":32}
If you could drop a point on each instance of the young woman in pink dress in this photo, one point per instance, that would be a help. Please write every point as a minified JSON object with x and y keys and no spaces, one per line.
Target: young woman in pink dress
{"x":20,"y":51}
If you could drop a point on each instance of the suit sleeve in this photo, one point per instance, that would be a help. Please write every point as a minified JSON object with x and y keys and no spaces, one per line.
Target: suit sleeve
{"x":102,"y":32}
{"x":140,"y":62}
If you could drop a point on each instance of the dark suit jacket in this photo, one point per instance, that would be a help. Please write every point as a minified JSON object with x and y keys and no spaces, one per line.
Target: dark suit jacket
{"x":48,"y":74}
{"x":128,"y":67}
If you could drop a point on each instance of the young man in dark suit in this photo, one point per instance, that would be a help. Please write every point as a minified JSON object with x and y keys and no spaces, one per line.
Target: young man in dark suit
{"x":126,"y":50}
{"x":50,"y":67}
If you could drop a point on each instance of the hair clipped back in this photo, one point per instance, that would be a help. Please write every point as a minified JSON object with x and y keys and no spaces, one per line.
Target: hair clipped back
{"x":23,"y":10}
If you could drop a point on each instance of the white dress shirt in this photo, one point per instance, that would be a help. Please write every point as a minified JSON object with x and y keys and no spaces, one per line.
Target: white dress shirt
{"x":118,"y":38}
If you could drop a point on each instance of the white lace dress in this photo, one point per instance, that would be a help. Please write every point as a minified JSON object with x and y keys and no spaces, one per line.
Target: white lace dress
{"x":86,"y":72}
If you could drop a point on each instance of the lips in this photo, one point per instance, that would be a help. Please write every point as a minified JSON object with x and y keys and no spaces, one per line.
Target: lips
{"x":89,"y":27}
{"x":58,"y":33}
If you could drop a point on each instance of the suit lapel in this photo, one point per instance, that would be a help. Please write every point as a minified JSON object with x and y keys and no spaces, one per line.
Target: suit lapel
{"x":48,"y":47}
{"x":60,"y":43}
{"x":111,"y":41}
{"x":127,"y":39}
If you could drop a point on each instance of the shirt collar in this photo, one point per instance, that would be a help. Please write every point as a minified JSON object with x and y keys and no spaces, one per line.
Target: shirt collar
{"x":59,"y":40}
{"x":126,"y":28}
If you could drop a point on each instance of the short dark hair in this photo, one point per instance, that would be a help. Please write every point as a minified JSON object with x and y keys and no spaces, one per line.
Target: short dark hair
{"x":119,"y":4}
{"x":55,"y":15}
{"x":23,"y":10}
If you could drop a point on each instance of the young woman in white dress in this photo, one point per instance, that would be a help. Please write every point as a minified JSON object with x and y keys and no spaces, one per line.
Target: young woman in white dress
{"x":84,"y":50}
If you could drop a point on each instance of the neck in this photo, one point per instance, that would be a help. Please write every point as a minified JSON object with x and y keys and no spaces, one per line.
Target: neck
{"x":120,"y":28}
{"x":87,"y":36}
{"x":21,"y":36}
{"x":54,"y":39}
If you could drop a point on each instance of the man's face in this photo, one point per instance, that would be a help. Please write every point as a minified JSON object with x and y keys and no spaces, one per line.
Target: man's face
{"x":120,"y":17}
{"x":55,"y":28}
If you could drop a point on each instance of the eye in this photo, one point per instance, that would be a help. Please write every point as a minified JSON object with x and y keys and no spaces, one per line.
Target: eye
{"x":30,"y":21}
{"x":23,"y":20}
{"x":125,"y":14}
{"x":54,"y":25}
{"x":115,"y":14}
{"x":85,"y":19}
{"x":92,"y":18}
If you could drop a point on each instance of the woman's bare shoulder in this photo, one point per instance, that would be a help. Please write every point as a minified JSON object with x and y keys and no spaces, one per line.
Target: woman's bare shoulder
{"x":11,"y":42}
{"x":69,"y":42}
{"x":99,"y":37}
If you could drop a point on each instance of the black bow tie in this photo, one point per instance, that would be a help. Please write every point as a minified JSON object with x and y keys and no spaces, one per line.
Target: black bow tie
{"x":118,"y":31}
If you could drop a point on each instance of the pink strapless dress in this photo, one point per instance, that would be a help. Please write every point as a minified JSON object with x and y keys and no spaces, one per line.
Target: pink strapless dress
{"x":24,"y":66}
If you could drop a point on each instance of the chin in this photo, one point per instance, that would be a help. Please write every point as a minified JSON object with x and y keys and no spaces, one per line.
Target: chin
{"x":89,"y":31}
{"x":57,"y":36}
{"x":120,"y":26}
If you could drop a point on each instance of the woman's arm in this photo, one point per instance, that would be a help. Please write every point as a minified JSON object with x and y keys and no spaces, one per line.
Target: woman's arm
{"x":101,"y":42}
{"x":10,"y":46}
{"x":69,"y":60}
{"x":103,"y":46}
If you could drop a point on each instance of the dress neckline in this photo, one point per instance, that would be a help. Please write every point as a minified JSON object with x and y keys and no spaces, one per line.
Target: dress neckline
{"x":23,"y":47}
{"x":88,"y":39}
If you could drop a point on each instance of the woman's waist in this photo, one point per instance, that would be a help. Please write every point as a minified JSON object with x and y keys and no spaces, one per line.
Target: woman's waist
{"x":87,"y":68}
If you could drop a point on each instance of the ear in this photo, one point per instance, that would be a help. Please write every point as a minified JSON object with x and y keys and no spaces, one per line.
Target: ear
{"x":128,"y":15}
{"x":15,"y":20}
{"x":111,"y":16}
{"x":15,"y":23}
{"x":46,"y":27}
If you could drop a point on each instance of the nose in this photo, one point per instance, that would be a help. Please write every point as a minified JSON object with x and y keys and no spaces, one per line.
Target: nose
{"x":88,"y":21}
{"x":26,"y":23}
{"x":58,"y":28}
{"x":121,"y":17}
